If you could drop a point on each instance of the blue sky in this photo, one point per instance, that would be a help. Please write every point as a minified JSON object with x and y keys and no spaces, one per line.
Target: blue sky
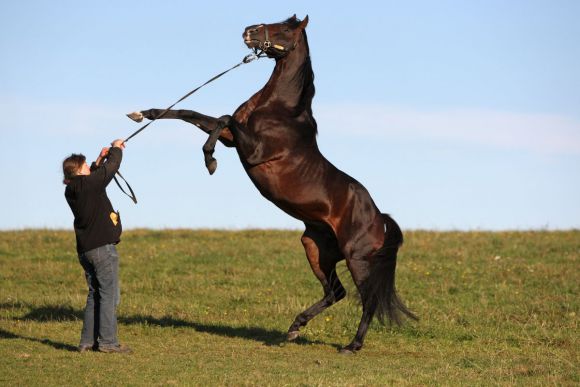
{"x":454,"y":114}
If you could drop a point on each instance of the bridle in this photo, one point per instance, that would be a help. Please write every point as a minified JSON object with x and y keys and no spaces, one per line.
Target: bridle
{"x":267,"y":47}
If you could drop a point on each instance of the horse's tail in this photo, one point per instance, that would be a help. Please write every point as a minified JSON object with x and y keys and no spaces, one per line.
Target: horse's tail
{"x":378,"y":290}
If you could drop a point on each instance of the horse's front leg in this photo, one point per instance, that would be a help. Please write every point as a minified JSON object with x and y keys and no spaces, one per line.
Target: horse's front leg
{"x":205,"y":123}
{"x":209,"y":146}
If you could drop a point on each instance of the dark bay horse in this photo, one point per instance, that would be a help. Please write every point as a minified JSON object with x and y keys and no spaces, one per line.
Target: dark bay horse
{"x":274,"y":134}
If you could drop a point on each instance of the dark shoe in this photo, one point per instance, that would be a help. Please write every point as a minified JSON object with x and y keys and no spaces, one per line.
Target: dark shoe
{"x":121,"y":348}
{"x":86,"y":348}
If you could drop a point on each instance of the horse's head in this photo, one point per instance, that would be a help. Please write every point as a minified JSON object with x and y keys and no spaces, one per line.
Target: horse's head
{"x":277,"y":39}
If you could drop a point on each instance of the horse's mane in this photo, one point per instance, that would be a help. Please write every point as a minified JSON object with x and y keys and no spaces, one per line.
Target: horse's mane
{"x":293,"y":21}
{"x":309,"y":90}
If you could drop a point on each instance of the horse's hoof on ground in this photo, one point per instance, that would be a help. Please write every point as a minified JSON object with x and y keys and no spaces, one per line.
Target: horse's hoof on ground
{"x":346,"y":351}
{"x":212,"y":167}
{"x":136,"y":116}
{"x":350,"y":349}
{"x":292,"y":335}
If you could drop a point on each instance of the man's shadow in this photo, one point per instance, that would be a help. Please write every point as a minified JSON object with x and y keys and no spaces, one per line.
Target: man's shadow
{"x":40,"y":314}
{"x":268,"y":337}
{"x":4,"y":334}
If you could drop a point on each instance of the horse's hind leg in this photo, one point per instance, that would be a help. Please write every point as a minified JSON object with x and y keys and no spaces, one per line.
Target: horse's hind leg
{"x":360,"y":271}
{"x":374,"y":276}
{"x":323,"y":253}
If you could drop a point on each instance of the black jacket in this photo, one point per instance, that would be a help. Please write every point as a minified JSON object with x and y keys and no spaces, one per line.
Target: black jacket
{"x":96,"y":223}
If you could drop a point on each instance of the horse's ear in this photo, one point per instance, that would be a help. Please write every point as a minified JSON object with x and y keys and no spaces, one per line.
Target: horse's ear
{"x":304,"y":22}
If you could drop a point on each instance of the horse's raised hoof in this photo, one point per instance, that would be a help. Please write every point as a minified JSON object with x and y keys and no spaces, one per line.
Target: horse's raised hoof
{"x":292,"y":335}
{"x":136,"y":116}
{"x":212,"y":166}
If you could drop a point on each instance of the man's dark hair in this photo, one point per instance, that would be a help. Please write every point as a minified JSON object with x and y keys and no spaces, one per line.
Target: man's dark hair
{"x":71,"y":166}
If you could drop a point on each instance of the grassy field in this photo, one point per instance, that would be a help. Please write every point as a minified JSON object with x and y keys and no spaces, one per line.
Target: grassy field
{"x":213,"y":307}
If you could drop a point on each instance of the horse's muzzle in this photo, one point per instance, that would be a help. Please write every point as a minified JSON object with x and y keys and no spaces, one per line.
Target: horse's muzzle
{"x":250,"y":36}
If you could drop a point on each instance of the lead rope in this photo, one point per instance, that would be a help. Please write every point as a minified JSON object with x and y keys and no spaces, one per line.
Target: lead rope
{"x":132,"y":195}
{"x":247,"y":59}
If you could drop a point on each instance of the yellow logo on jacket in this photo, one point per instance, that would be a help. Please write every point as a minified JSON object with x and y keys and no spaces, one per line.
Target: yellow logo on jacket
{"x":114,"y":218}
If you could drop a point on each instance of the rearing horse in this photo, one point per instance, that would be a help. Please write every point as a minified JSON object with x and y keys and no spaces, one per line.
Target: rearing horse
{"x":274,"y":134}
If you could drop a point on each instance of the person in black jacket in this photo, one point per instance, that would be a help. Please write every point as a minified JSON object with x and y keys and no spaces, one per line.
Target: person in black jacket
{"x":98,"y":229}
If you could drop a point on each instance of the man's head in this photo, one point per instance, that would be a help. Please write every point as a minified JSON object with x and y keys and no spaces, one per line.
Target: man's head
{"x":74,"y":165}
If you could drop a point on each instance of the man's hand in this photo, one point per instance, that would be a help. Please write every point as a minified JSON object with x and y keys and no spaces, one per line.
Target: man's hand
{"x":104,"y":153}
{"x":118,"y":144}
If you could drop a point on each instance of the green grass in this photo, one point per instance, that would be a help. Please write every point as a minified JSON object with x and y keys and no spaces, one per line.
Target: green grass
{"x":212,"y":308}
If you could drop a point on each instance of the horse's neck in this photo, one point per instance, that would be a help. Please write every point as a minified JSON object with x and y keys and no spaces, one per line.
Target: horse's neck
{"x":290,"y":77}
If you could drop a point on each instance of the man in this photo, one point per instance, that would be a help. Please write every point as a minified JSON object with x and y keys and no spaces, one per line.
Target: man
{"x":97,"y":229}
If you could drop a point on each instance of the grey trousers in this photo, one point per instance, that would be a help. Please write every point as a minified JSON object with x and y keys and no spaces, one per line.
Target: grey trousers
{"x":101,"y":267}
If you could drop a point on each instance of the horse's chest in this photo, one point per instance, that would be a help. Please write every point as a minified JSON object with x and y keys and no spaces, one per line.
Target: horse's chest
{"x":272,"y":180}
{"x":266,"y":177}
{"x":259,"y":147}
{"x":284,"y":182}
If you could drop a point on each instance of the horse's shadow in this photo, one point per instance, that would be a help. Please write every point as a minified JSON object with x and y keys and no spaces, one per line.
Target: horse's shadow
{"x":268,"y":337}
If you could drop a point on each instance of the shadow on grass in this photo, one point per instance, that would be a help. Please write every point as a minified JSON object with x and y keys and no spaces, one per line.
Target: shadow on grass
{"x":12,"y":305}
{"x":4,"y":334}
{"x":268,"y":337}
{"x":52,"y":313}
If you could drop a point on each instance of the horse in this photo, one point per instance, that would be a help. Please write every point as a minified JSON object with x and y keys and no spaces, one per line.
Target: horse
{"x":274,"y":133}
